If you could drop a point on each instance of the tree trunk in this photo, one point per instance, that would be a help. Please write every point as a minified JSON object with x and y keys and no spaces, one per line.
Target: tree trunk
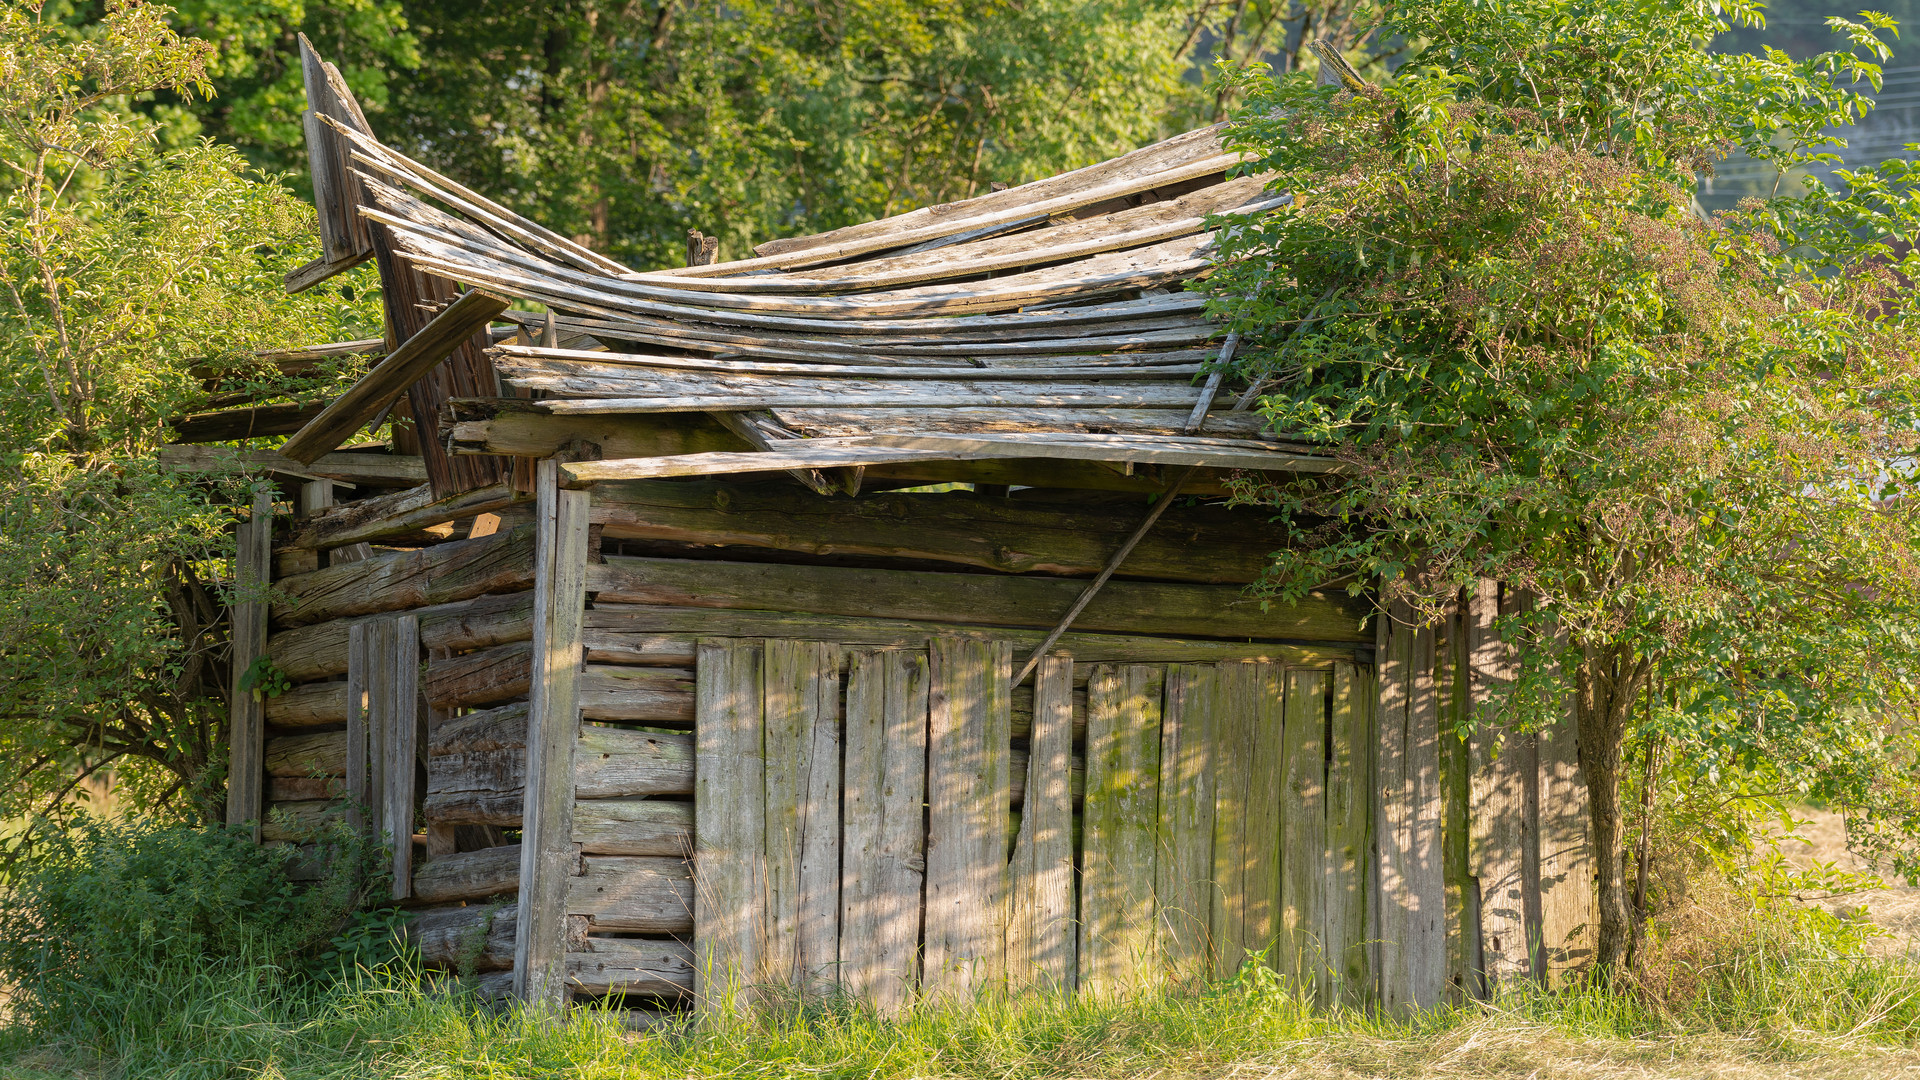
{"x":1609,"y":678}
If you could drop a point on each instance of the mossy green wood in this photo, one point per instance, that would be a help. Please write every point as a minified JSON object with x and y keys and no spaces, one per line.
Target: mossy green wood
{"x":1124,"y":704}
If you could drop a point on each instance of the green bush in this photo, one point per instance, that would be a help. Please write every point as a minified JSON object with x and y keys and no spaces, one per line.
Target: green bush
{"x":103,"y":906}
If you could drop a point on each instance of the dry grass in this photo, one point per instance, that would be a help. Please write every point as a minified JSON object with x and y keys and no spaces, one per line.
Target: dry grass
{"x":1822,"y":838}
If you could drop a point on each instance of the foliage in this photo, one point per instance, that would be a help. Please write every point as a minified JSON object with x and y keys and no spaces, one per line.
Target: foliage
{"x":138,"y":283}
{"x":1686,"y":441}
{"x":137,"y":903}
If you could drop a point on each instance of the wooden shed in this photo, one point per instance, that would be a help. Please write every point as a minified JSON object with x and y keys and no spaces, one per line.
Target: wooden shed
{"x":702,"y":649}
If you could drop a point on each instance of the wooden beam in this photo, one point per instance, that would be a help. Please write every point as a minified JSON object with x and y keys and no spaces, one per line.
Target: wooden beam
{"x":322,"y":268}
{"x":252,"y":563}
{"x":413,"y":359}
{"x":1210,"y":544}
{"x":547,"y":862}
{"x":397,"y":514}
{"x":517,"y":427}
{"x":374,"y":469}
{"x":252,"y":422}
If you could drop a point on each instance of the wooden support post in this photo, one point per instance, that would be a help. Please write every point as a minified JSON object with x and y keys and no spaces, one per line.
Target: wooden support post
{"x":1501,"y":770}
{"x":387,"y":381}
{"x":247,"y":723}
{"x":548,"y":859}
{"x":400,"y":740}
{"x":359,"y":785}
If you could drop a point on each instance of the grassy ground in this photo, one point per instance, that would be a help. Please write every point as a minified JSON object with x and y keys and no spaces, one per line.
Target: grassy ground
{"x":1784,"y":1016}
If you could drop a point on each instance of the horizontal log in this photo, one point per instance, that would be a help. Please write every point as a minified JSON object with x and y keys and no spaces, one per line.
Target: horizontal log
{"x":1179,"y":366}
{"x":308,"y":705}
{"x":297,"y":821}
{"x":352,"y":467}
{"x":474,"y":938}
{"x":1132,"y":607}
{"x":657,"y":827}
{"x":320,"y":754}
{"x":319,"y":651}
{"x":400,"y":580}
{"x":469,"y":875}
{"x":634,"y":893}
{"x":1208,"y":544}
{"x":484,"y":786}
{"x":502,"y":728}
{"x":482,"y":677}
{"x":256,"y":422}
{"x":519,"y":427}
{"x":395,"y":515}
{"x":631,"y":966}
{"x":642,"y":634}
{"x":305,"y":788}
{"x":643,"y":694}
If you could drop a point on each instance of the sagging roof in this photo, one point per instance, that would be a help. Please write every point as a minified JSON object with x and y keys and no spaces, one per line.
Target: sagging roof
{"x":1050,"y":320}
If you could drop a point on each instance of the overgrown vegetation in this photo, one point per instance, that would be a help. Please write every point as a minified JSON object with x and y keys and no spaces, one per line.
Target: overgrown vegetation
{"x":1688,"y":442}
{"x":136,"y":283}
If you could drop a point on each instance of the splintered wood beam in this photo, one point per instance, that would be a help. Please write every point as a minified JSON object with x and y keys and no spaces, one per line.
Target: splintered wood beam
{"x":322,"y":268}
{"x":402,"y":367}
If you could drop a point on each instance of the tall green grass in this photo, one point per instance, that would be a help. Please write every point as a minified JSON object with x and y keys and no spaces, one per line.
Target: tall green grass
{"x":234,"y":1019}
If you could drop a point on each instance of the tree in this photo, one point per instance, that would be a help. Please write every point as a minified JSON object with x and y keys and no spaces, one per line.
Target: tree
{"x":134,"y":278}
{"x":1689,"y":440}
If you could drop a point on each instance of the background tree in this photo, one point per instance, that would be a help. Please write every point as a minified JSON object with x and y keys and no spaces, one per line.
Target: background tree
{"x":1689,"y":440}
{"x":135,"y":277}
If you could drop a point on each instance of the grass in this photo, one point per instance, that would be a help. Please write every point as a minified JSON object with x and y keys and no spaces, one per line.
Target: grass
{"x":1762,"y":1012}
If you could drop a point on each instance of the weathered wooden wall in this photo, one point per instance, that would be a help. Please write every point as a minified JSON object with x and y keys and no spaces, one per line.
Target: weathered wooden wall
{"x":1187,"y":781}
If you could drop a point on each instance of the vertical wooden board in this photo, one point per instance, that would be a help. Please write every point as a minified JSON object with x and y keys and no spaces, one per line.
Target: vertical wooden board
{"x":1461,"y":891}
{"x":1183,"y":861}
{"x":802,"y":812}
{"x":1124,"y":705}
{"x":1427,"y":945}
{"x":1411,"y":888}
{"x":1041,"y":945}
{"x":247,"y":722}
{"x":1501,"y":766}
{"x":883,"y":857}
{"x":1567,"y":900}
{"x":1349,"y":838}
{"x":1262,"y":829}
{"x":379,"y":715}
{"x":968,"y":796}
{"x":359,"y":781}
{"x":402,"y":730}
{"x":729,"y":829}
{"x":1303,"y":832}
{"x":1234,"y":713}
{"x":548,"y":859}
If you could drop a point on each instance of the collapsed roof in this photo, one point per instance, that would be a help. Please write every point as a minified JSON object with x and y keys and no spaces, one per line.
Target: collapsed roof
{"x":1056,"y":319}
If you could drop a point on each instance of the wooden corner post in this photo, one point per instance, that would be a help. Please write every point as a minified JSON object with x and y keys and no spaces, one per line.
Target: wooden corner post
{"x":246,"y":716}
{"x":548,"y":861}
